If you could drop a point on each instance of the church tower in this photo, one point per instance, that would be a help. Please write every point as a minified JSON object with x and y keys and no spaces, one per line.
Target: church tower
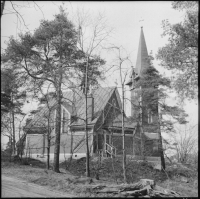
{"x":140,"y":109}
{"x":142,"y":63}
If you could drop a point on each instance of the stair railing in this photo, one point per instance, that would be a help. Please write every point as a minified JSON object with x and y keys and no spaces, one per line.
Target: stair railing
{"x":110,"y":149}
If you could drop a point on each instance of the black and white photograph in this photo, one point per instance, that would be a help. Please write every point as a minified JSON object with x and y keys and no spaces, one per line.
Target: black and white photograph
{"x":99,"y":99}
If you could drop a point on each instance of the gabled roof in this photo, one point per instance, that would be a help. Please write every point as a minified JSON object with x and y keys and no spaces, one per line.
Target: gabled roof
{"x":101,"y":97}
{"x":76,"y":97}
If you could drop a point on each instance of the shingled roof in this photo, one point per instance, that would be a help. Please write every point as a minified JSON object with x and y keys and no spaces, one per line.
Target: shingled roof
{"x":101,"y":97}
{"x":76,"y":97}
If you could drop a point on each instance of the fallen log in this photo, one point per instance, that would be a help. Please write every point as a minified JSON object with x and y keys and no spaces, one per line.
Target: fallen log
{"x":108,"y":190}
{"x":144,"y":188}
{"x":140,"y":192}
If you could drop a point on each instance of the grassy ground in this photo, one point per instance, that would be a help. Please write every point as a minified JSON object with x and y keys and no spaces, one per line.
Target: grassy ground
{"x":73,"y":180}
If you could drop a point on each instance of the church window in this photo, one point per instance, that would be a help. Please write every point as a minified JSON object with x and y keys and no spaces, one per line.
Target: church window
{"x":150,"y":117}
{"x":65,"y":121}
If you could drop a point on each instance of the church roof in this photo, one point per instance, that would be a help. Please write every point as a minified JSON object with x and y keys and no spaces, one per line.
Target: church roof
{"x":142,"y":58}
{"x":76,"y":97}
{"x":101,"y":97}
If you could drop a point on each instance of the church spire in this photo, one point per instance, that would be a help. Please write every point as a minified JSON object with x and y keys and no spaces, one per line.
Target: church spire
{"x":142,"y":56}
{"x":142,"y":59}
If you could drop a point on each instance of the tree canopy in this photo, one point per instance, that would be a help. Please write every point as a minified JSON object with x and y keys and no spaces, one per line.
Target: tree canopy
{"x":180,"y":54}
{"x":52,"y":44}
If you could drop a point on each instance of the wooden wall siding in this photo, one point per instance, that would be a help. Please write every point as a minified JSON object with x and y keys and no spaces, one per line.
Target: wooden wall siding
{"x":36,"y":143}
{"x":129,"y":145}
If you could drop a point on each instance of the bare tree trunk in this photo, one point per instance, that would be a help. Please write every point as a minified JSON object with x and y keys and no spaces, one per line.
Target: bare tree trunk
{"x":48,"y":152}
{"x":43,"y":150}
{"x":71,"y":151}
{"x":123,"y":133}
{"x":13,"y":125}
{"x":11,"y":136}
{"x":58,"y":125}
{"x":58,"y":115}
{"x":142,"y":142}
{"x":160,"y":146}
{"x":13,"y":128}
{"x":141,"y":127}
{"x":161,"y":149}
{"x":48,"y":144}
{"x":86,"y":132}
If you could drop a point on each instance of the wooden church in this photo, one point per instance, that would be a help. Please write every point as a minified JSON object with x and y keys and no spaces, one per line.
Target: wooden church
{"x":104,"y":122}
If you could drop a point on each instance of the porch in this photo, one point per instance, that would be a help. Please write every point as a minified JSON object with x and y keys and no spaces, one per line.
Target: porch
{"x":109,"y":143}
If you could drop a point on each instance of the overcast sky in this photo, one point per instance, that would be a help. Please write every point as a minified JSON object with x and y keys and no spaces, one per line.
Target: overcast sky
{"x":124,"y":17}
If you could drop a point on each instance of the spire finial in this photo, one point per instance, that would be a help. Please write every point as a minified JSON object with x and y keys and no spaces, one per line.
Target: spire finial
{"x":141,"y":20}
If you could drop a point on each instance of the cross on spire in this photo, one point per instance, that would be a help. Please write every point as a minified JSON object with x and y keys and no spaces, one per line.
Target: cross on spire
{"x":141,"y":21}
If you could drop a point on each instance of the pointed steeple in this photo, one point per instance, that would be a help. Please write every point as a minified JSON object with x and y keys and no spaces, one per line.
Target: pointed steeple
{"x":142,"y":56}
{"x":142,"y":59}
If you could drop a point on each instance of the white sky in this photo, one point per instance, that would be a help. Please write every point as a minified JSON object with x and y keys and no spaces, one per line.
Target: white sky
{"x":123,"y":16}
